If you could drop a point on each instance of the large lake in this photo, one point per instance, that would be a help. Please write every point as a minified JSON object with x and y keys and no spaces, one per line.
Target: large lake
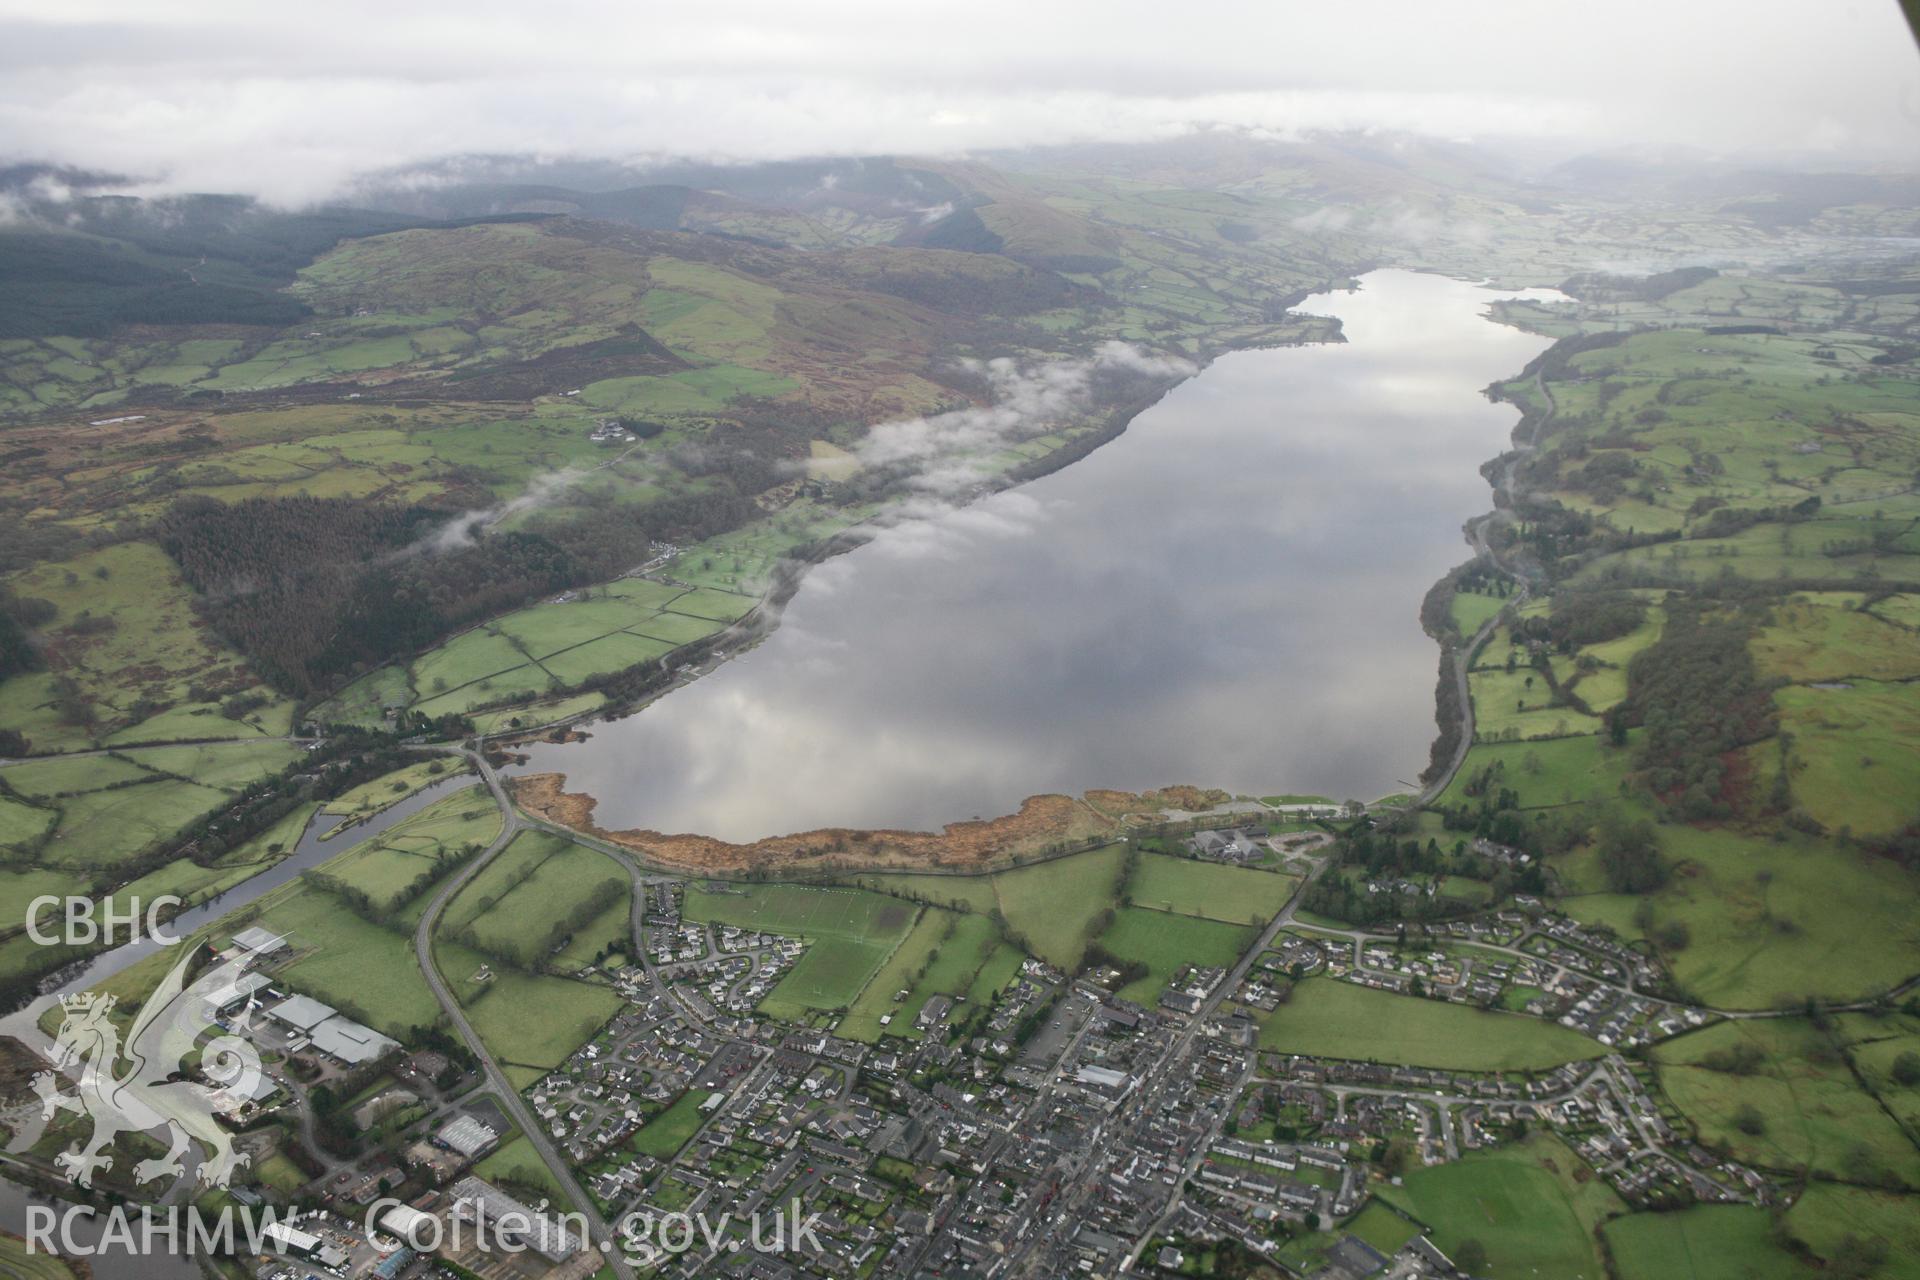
{"x":1227,"y":595}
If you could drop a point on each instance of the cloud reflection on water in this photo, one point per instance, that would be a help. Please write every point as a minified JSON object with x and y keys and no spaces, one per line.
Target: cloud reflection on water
{"x":1226,"y":595}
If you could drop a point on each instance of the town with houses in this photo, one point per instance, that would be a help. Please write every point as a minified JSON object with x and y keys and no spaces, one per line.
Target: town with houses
{"x":1063,"y":1131}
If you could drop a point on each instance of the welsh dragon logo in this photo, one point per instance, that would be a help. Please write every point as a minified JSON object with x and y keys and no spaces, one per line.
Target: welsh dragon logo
{"x":139,"y":1086}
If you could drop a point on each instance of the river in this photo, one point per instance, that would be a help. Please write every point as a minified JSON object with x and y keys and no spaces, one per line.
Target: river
{"x":106,"y":1262}
{"x":314,"y":848}
{"x":321,"y":839}
{"x":1227,"y":594}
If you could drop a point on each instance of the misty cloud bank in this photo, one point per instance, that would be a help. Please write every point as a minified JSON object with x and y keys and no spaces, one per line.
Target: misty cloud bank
{"x":292,"y":104}
{"x":942,"y":458}
{"x":466,"y":528}
{"x":945,"y":455}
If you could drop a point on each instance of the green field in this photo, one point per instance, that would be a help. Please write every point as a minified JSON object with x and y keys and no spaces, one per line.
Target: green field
{"x":999,"y":969}
{"x":664,"y":1134}
{"x":677,"y":628}
{"x":1534,"y":1207}
{"x":1163,"y":942}
{"x":128,"y":640}
{"x":1827,"y":636}
{"x":515,"y":1161}
{"x":1518,"y":706}
{"x":17,"y":1262}
{"x":1470,"y":610}
{"x":1827,"y":1214}
{"x":827,"y":978}
{"x":1216,"y":891}
{"x":231,"y":766}
{"x":387,"y":873}
{"x":24,"y":884}
{"x":1705,"y":1242}
{"x":719,"y":606}
{"x":365,"y":967}
{"x":518,"y":684}
{"x":945,"y":954}
{"x":22,"y":824}
{"x":543,"y":899}
{"x":388,"y":868}
{"x":1542,"y":774}
{"x":1051,"y":907}
{"x":100,"y":830}
{"x":531,"y":1022}
{"x":369,"y":798}
{"x":95,"y":813}
{"x":741,"y":562}
{"x":1381,"y":1227}
{"x":608,"y":654}
{"x":1856,"y":759}
{"x":958,"y":893}
{"x":362,"y":968}
{"x":1771,"y":921}
{"x":912,"y":959}
{"x":50,"y":779}
{"x":547,"y":629}
{"x":599,"y":631}
{"x":606,"y":933}
{"x":537,"y":713}
{"x":850,"y":934}
{"x":1874,"y":1046}
{"x":1814,"y":1112}
{"x":1339,"y":1019}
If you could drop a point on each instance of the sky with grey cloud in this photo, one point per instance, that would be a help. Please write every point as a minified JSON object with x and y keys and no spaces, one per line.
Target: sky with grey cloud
{"x":293,"y":102}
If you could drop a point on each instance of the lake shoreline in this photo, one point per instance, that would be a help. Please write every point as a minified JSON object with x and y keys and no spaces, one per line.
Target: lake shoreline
{"x":760,"y":622}
{"x":797,"y":845}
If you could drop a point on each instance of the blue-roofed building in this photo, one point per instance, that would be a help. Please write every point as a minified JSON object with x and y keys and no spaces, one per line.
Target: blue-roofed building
{"x":393,"y":1264}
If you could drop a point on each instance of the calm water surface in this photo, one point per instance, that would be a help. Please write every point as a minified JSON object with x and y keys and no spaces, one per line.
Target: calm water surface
{"x":112,"y":1262}
{"x":1227,"y":595}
